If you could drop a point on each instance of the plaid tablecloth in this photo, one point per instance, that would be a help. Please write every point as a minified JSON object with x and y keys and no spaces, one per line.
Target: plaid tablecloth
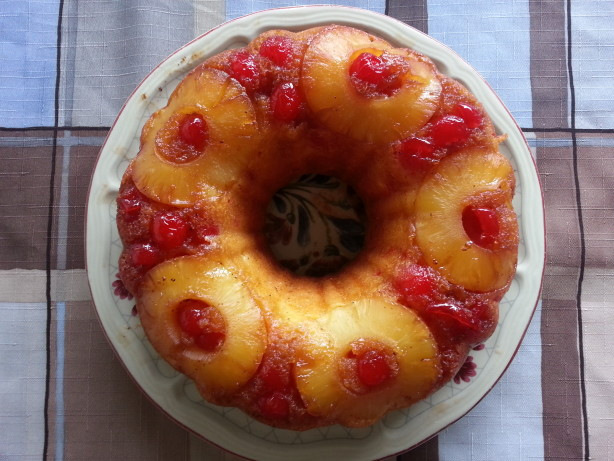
{"x":67,"y":66}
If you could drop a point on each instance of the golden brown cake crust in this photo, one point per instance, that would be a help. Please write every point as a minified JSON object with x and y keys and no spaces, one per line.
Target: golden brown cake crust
{"x":392,"y":326}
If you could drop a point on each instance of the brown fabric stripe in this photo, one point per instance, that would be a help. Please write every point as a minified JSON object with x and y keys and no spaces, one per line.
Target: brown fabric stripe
{"x":549,"y":82}
{"x":596,"y":175}
{"x":106,"y":416}
{"x":82,"y":163}
{"x":412,"y":12}
{"x":563,"y":430}
{"x":24,"y":198}
{"x":561,"y":391}
{"x":428,"y":451}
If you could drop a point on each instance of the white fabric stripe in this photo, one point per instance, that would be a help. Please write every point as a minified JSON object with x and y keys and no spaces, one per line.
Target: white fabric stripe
{"x":28,"y":286}
{"x":22,"y":380}
{"x":593,"y":62}
{"x":507,"y":424}
{"x":117,"y":45}
{"x":208,"y":14}
{"x":63,"y":210}
{"x":598,"y":322}
{"x":47,"y":141}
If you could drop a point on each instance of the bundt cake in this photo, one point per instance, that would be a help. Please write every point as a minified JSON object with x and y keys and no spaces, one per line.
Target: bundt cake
{"x":387,"y":329}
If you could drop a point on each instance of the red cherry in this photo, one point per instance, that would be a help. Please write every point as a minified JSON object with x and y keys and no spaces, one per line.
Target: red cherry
{"x":145,"y":255}
{"x":414,"y":282}
{"x":210,"y":341}
{"x":449,"y":130}
{"x":278,"y":49}
{"x":245,"y":69}
{"x":416,"y":153}
{"x":129,"y":207}
{"x":203,"y":322}
{"x":481,"y":225}
{"x":192,"y":316}
{"x":286,"y":102}
{"x":464,"y":322}
{"x":274,"y":406}
{"x":169,"y":230}
{"x":458,"y":321}
{"x":471,"y":115}
{"x":373,"y":368}
{"x":129,"y":203}
{"x":193,"y":131}
{"x":369,"y":68}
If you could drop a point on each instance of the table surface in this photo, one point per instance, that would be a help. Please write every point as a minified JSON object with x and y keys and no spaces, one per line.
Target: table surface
{"x":66,"y":69}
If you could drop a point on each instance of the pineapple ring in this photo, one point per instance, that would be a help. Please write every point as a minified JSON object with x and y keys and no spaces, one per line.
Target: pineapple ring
{"x":399,"y":328}
{"x":465,"y":178}
{"x":238,"y":358}
{"x":232,"y":127}
{"x":330,"y":94}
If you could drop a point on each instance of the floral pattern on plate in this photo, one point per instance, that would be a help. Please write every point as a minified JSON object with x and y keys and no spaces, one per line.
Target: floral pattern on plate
{"x":315,"y":225}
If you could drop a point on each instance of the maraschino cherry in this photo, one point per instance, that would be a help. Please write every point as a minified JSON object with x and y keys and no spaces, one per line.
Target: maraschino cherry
{"x":449,"y":130}
{"x":169,"y":230}
{"x":130,"y":203}
{"x":245,"y":69}
{"x":369,"y":71}
{"x":278,"y":49}
{"x":373,"y":368}
{"x":145,"y":255}
{"x":470,"y":114}
{"x":481,"y":225}
{"x":193,"y":131}
{"x":416,"y":154}
{"x":286,"y":102}
{"x":203,"y":323}
{"x":466,"y":322}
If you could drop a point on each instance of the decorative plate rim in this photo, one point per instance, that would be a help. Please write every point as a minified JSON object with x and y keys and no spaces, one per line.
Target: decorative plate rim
{"x":381,"y":441}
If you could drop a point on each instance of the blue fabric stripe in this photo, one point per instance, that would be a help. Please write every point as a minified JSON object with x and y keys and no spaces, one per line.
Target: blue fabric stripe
{"x":59,"y":380}
{"x":236,"y":8}
{"x":494,"y":38}
{"x":28,"y":55}
{"x":22,"y":380}
{"x":567,"y":142}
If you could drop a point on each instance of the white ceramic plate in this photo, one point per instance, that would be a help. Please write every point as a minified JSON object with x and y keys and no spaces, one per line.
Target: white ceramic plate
{"x":230,"y":428}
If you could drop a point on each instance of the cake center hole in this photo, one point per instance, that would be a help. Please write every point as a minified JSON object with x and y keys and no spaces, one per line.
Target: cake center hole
{"x":315,"y":225}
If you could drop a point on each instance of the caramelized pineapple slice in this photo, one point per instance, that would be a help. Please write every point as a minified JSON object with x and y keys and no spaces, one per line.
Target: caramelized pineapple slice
{"x":336,"y":102}
{"x":477,"y":177}
{"x":225,"y":366}
{"x":169,"y":170}
{"x":319,"y":375}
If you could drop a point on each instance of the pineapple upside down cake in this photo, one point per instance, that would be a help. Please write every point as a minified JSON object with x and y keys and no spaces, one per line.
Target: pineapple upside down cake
{"x":387,"y":329}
